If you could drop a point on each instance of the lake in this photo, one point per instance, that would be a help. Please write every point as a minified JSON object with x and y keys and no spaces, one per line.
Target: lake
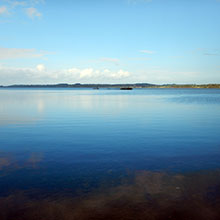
{"x":83,"y":153}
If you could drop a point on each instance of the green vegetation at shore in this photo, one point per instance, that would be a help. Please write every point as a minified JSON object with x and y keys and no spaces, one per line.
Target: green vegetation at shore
{"x":115,"y":86}
{"x":194,"y":86}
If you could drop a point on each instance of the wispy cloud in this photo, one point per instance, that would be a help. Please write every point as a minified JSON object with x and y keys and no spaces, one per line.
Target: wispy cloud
{"x":147,"y":51}
{"x":110,"y":60}
{"x":207,"y":52}
{"x":3,"y":10}
{"x":17,"y":3}
{"x":12,"y":7}
{"x":138,"y":1}
{"x":139,"y":58}
{"x":24,"y":2}
{"x":16,"y":53}
{"x":211,"y":54}
{"x":161,"y":75}
{"x":33,"y":12}
{"x":37,"y":1}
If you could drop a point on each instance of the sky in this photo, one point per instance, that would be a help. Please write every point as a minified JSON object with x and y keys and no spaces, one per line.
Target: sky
{"x":109,"y":41}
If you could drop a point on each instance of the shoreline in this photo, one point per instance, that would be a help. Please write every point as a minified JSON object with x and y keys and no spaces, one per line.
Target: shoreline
{"x":117,"y":86}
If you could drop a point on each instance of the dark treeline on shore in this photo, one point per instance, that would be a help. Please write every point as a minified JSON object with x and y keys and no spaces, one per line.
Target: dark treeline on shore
{"x":97,"y":86}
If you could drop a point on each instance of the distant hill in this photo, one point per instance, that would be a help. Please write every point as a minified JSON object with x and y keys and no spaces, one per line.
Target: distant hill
{"x":96,"y":86}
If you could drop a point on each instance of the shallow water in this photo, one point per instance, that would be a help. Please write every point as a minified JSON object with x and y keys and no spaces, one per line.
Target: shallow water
{"x":72,"y":143}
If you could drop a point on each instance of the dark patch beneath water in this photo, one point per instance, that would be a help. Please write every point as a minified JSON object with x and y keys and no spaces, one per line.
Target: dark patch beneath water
{"x":143,"y":195}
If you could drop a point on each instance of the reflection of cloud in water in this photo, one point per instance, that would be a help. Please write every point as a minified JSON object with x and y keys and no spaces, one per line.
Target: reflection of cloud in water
{"x":20,"y":108}
{"x":16,"y":119}
{"x":151,"y":195}
{"x":4,"y":162}
{"x":10,"y":161}
{"x":27,"y":106}
{"x":40,"y":106}
{"x":105,"y":104}
{"x":34,"y":159}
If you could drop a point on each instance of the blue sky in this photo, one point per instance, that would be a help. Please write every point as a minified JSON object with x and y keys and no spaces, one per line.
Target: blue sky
{"x":109,"y":41}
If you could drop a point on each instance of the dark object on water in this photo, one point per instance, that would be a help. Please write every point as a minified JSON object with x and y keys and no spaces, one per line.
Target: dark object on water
{"x":126,"y":88}
{"x":96,"y":88}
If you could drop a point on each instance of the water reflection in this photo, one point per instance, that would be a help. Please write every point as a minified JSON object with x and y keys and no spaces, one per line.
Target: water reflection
{"x":109,"y":154}
{"x":4,"y":162}
{"x":11,"y":162}
{"x":28,"y":106}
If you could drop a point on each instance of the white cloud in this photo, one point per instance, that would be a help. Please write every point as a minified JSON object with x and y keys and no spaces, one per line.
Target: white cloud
{"x":3,"y":10}
{"x":40,"y":67}
{"x":90,"y":73}
{"x":40,"y":74}
{"x":120,"y":74}
{"x":14,"y":53}
{"x":106,"y":71}
{"x":33,"y":12}
{"x":73,"y":70}
{"x":147,"y":51}
{"x":86,"y":73}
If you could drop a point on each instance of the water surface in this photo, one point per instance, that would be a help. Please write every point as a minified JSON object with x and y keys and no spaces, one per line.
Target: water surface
{"x":75,"y":141}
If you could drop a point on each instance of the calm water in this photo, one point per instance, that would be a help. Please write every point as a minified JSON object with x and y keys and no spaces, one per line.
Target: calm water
{"x":74,"y":141}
